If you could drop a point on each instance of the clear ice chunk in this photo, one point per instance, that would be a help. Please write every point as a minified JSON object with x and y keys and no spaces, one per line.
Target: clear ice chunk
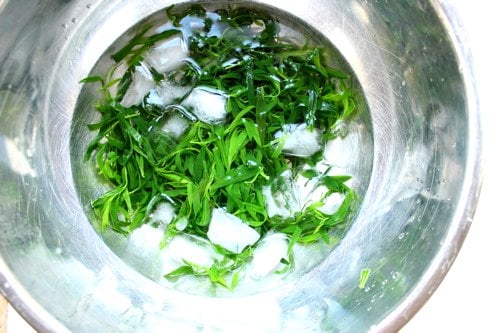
{"x":168,"y":55}
{"x":230,"y":232}
{"x":175,"y":125}
{"x":280,"y":197}
{"x":170,"y":93}
{"x":207,"y":104}
{"x":163,"y":214}
{"x":268,"y":254}
{"x":288,"y":195}
{"x":142,"y":83}
{"x":184,"y":247}
{"x":298,"y":140}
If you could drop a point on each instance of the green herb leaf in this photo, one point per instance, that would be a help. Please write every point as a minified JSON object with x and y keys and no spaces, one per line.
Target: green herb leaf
{"x":364,"y":276}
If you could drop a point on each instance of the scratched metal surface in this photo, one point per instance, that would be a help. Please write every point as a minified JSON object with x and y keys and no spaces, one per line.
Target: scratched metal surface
{"x":415,"y":150}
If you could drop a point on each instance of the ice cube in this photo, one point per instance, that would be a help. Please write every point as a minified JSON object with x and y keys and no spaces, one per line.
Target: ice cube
{"x":332,"y":203}
{"x":281,"y":197}
{"x":298,"y":140}
{"x":153,"y":98}
{"x":230,"y":232}
{"x":311,"y":192}
{"x":164,"y":213}
{"x":116,"y":73}
{"x":274,"y":203}
{"x":190,"y":248}
{"x":175,"y":125}
{"x":181,"y":223}
{"x":168,"y":55}
{"x":268,"y":254}
{"x":207,"y":104}
{"x":293,"y":195}
{"x":146,"y":238}
{"x":167,"y":93}
{"x":196,"y":24}
{"x":142,"y":83}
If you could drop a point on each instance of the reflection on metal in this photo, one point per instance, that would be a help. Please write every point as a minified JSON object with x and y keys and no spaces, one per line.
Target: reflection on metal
{"x":13,"y":158}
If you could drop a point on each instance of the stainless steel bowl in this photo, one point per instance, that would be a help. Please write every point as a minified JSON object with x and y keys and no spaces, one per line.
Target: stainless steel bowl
{"x":415,"y":150}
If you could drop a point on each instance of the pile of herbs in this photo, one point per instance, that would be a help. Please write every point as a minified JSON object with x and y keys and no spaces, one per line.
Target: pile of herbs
{"x":269,"y":82}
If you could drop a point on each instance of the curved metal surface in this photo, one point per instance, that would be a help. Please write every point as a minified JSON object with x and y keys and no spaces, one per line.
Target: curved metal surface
{"x":415,"y":150}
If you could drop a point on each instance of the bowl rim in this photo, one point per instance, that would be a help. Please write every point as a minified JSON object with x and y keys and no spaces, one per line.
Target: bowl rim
{"x":43,"y":321}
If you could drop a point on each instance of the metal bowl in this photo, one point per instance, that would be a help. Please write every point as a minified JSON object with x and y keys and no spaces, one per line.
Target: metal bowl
{"x":415,"y":150}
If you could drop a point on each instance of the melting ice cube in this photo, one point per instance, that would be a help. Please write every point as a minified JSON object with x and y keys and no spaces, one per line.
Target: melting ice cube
{"x":275,"y":203}
{"x":169,"y":92}
{"x":230,"y":232}
{"x":164,"y":213}
{"x":289,"y":195}
{"x":189,"y":248}
{"x":175,"y":125}
{"x":142,"y":83}
{"x":299,"y":140}
{"x":146,"y":237}
{"x":143,"y":249}
{"x":281,"y":198}
{"x":310,"y":192}
{"x":268,"y":254}
{"x":168,"y":55}
{"x":332,"y":203}
{"x":207,"y":104}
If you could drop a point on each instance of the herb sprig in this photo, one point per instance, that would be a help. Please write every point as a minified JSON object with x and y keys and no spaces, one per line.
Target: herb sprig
{"x":269,"y":83}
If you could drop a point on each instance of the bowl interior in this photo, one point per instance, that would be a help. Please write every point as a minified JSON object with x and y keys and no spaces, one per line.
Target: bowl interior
{"x":411,"y":150}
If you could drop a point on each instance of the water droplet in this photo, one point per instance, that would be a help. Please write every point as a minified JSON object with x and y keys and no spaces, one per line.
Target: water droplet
{"x":369,"y":308}
{"x":6,"y":285}
{"x":402,"y":235}
{"x":89,"y":6}
{"x":403,"y":83}
{"x":74,"y":20}
{"x":64,"y":25}
{"x":366,"y":289}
